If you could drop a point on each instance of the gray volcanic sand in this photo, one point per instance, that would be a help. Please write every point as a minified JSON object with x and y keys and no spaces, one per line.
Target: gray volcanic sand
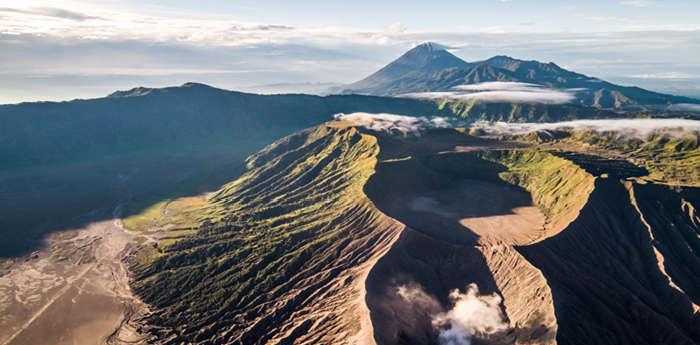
{"x":73,"y":292}
{"x":490,"y":210}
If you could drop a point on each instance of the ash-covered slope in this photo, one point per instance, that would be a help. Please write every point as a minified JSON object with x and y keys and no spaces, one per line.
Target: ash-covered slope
{"x":613,"y":261}
{"x":345,"y":235}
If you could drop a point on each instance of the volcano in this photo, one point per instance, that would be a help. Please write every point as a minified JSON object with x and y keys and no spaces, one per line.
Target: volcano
{"x":348,"y":234}
{"x":430,"y":67}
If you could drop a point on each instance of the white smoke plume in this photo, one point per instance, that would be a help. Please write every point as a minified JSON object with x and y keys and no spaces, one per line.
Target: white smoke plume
{"x":472,"y":314}
{"x":392,"y":123}
{"x":501,"y":92}
{"x":415,"y":295}
{"x":641,"y":128}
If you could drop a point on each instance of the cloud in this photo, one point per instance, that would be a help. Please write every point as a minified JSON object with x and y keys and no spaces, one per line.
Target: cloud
{"x":498,"y":85}
{"x":51,"y":12}
{"x":664,"y":76}
{"x":641,"y":128}
{"x":42,"y":41}
{"x":397,"y":27}
{"x":500,"y":92}
{"x":638,"y":3}
{"x":394,"y":124}
{"x":685,"y":107}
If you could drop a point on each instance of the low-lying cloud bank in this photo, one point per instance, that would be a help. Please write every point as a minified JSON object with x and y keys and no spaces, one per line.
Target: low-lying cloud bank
{"x":471,"y":313}
{"x":501,"y":92}
{"x":685,"y":107}
{"x":633,"y":127}
{"x":397,"y":124}
{"x":410,"y":125}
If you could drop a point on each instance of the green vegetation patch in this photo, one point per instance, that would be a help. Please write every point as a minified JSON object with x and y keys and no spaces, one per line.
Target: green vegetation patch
{"x":559,"y":187}
{"x":670,"y":158}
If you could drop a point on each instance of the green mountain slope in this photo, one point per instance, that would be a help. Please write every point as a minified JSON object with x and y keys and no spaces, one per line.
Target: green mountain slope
{"x":188,"y":117}
{"x":143,"y":146}
{"x":282,"y":253}
{"x":669,"y":157}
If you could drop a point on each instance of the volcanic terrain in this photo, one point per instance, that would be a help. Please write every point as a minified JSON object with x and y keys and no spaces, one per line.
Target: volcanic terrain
{"x":341,"y":234}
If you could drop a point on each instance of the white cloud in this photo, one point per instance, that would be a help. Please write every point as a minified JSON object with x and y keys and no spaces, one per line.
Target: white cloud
{"x":396,"y":28}
{"x":632,"y":127}
{"x":498,"y":85}
{"x":638,"y":3}
{"x":392,"y":123}
{"x":685,"y":107}
{"x":500,"y":92}
{"x":50,"y":12}
{"x":664,"y":75}
{"x":85,"y":39}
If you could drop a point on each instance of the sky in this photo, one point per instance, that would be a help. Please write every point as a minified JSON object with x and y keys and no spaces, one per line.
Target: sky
{"x":64,"y":49}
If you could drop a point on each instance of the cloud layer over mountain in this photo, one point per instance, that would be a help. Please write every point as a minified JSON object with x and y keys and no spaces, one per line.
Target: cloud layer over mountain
{"x":392,"y":123}
{"x":637,"y":127}
{"x":507,"y":92}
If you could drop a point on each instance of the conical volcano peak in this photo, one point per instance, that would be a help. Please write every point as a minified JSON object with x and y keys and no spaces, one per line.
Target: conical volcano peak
{"x":430,"y":46}
{"x":430,"y":55}
{"x":415,"y":66}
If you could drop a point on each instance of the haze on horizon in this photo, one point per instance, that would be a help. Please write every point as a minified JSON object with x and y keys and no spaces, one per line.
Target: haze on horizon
{"x":58,"y":50}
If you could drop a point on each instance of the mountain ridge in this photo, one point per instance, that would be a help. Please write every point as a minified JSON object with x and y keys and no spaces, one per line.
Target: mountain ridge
{"x":589,"y":91}
{"x":570,"y":243}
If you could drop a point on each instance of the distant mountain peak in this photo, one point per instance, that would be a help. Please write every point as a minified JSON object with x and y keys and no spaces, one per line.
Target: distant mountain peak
{"x":416,"y":64}
{"x":430,"y":46}
{"x":502,"y":58}
{"x":429,"y":56}
{"x":144,"y":91}
{"x":431,"y":67}
{"x":196,"y":85}
{"x":134,"y":92}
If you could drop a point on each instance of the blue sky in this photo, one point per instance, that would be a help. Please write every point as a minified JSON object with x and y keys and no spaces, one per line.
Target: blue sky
{"x":64,"y":49}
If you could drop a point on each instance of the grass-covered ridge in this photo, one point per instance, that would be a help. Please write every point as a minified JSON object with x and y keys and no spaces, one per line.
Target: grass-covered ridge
{"x":278,"y":249}
{"x":559,"y":187}
{"x":669,"y":155}
{"x":670,"y":158}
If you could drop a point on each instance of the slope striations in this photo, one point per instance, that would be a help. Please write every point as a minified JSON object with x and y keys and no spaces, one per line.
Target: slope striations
{"x":283,"y":254}
{"x":343,"y":234}
{"x":607,"y":278}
